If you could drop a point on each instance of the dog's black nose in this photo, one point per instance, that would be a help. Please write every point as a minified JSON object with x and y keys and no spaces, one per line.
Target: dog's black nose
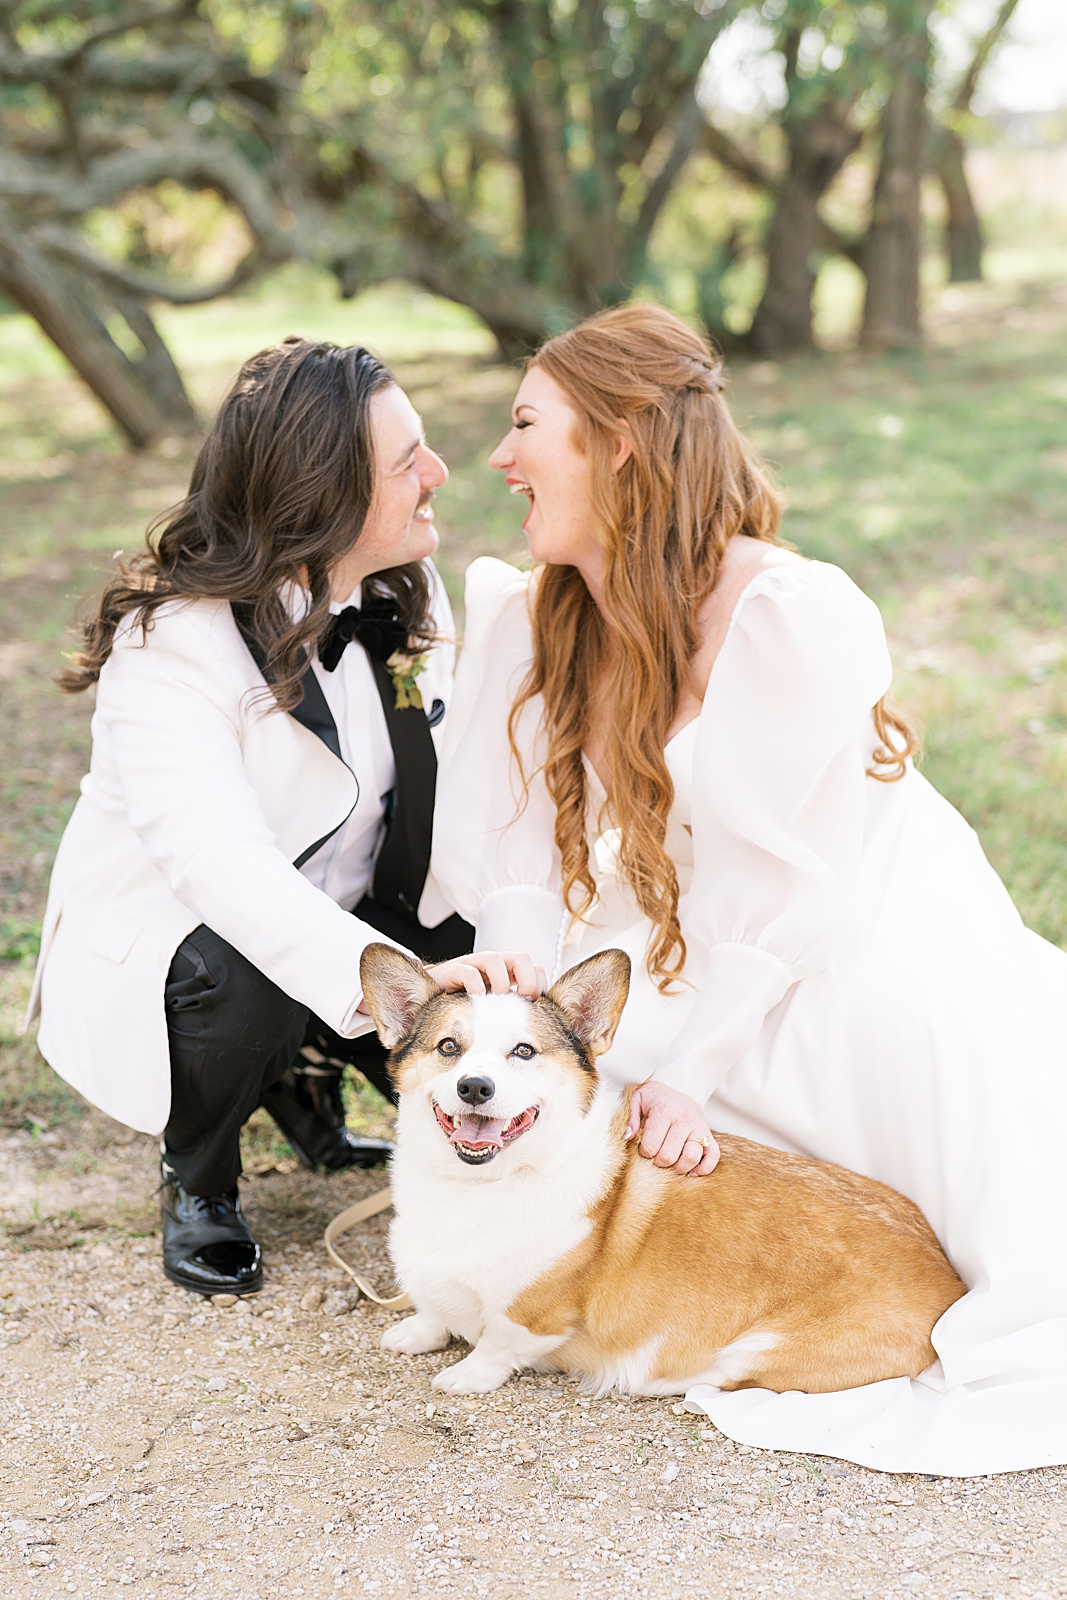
{"x":476,"y":1091}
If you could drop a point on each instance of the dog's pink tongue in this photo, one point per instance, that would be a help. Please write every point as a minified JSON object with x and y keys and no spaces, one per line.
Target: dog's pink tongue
{"x":479,"y":1130}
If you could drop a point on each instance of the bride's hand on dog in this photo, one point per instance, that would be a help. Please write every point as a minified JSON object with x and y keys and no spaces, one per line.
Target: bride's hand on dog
{"x":491,"y":972}
{"x":672,"y":1131}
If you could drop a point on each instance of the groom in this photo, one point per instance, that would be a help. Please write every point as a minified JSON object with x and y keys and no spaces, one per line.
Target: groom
{"x":228,"y":861}
{"x":377,"y":718}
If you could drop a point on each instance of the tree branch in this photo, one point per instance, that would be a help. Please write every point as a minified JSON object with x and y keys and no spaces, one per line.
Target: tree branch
{"x":161,"y":73}
{"x":68,"y":247}
{"x":835,"y":244}
{"x":735,"y":160}
{"x":66,"y":99}
{"x":138,"y":17}
{"x":969,"y":82}
{"x":686,"y":132}
{"x":57,"y":300}
{"x":448,"y":255}
{"x":751,"y":171}
{"x":198,"y":163}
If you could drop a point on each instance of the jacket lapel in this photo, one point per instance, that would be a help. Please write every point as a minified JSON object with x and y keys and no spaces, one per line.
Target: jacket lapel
{"x":313,"y":713}
{"x":404,"y":858}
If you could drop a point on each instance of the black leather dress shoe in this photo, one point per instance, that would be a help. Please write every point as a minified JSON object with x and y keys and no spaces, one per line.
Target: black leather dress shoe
{"x":207,"y":1246}
{"x":307,"y":1104}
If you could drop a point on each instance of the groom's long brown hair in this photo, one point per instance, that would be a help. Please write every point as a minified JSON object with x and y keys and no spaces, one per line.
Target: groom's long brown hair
{"x":279,"y":493}
{"x":691,"y":484}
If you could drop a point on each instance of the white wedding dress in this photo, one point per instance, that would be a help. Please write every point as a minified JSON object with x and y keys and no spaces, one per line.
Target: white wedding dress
{"x":860,"y":988}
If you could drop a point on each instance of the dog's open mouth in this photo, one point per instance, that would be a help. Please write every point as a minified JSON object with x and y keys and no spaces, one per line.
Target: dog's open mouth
{"x":477,"y":1140}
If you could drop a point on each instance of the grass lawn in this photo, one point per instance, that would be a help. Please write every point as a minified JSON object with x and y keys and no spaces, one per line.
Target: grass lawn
{"x":937,"y":479}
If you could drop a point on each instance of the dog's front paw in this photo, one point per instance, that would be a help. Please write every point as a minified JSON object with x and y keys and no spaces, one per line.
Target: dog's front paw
{"x":471,"y":1376}
{"x":415,"y":1335}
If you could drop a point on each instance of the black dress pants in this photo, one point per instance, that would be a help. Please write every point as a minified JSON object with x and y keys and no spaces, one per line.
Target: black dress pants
{"x":233,"y":1033}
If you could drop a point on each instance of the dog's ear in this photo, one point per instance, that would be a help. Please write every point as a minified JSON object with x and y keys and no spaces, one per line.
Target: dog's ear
{"x":591,"y":997}
{"x":395,"y":989}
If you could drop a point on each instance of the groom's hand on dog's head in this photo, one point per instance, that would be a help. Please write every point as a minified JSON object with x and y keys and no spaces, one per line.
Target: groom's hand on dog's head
{"x":491,"y":972}
{"x":402,"y":986}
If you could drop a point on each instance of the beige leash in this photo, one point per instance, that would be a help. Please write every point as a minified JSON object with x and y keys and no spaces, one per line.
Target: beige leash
{"x":347,"y":1219}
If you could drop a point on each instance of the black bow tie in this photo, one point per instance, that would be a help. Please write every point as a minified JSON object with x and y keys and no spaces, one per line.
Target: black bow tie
{"x":376,"y":627}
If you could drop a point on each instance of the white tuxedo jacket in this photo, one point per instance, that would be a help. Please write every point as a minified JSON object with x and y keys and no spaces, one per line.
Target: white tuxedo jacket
{"x":198,"y":800}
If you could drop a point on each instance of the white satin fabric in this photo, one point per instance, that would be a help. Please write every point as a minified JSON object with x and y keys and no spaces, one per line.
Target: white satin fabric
{"x":859,"y":987}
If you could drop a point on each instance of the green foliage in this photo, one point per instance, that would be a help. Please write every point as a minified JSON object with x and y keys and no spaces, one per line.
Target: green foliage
{"x":19,"y":941}
{"x":541,"y":137}
{"x":512,"y":154}
{"x":704,"y":257}
{"x":837,"y":51}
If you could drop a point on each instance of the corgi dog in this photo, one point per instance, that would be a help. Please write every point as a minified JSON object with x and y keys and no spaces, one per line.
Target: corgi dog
{"x":528,"y":1224}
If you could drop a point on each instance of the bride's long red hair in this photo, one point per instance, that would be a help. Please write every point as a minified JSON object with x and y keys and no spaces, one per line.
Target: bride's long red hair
{"x":691,"y":483}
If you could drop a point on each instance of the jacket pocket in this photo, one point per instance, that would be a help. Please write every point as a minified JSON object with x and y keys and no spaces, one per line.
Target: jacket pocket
{"x":113,"y":935}
{"x":188,"y":980}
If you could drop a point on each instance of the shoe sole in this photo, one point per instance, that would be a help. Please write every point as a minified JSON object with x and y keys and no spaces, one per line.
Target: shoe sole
{"x":251,"y":1287}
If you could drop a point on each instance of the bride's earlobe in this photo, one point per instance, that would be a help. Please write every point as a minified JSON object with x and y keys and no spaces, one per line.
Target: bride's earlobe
{"x":624,"y":444}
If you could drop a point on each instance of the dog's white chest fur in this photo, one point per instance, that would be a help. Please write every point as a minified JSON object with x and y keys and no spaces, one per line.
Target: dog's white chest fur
{"x":469,"y":1255}
{"x":466,"y":1245}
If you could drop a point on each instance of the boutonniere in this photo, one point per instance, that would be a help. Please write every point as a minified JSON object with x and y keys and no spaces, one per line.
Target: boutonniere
{"x":404,"y":670}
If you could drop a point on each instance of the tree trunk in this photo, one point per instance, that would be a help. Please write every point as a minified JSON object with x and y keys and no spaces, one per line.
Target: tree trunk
{"x":155,"y":369}
{"x":963,"y":234}
{"x":146,"y":398}
{"x":516,"y":315}
{"x":963,"y":231}
{"x":514,"y":341}
{"x":892,"y":249}
{"x":819,"y":146}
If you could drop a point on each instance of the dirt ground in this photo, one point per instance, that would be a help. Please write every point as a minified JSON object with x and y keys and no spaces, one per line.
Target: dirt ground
{"x":156,"y":1443}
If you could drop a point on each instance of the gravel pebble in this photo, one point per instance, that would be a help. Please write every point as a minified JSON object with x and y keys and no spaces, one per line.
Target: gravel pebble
{"x":339,"y":1302}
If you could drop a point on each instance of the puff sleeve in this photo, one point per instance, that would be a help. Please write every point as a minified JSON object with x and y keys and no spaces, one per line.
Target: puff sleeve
{"x":494,"y":833}
{"x":778,"y":806}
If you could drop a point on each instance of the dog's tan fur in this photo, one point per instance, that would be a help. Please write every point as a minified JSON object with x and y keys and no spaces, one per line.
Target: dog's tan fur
{"x":845,"y":1271}
{"x":777,"y":1271}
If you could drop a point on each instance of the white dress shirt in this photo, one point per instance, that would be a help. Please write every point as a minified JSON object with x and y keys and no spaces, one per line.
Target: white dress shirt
{"x":344,"y":866}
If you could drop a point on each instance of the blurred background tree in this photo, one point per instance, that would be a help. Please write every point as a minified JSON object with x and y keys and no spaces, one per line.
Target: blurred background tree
{"x":527,"y":147}
{"x":852,"y":71}
{"x":518,"y":157}
{"x":963,"y":228}
{"x":100,"y":118}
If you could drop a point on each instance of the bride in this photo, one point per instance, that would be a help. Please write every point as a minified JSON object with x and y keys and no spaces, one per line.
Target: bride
{"x":672,"y":737}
